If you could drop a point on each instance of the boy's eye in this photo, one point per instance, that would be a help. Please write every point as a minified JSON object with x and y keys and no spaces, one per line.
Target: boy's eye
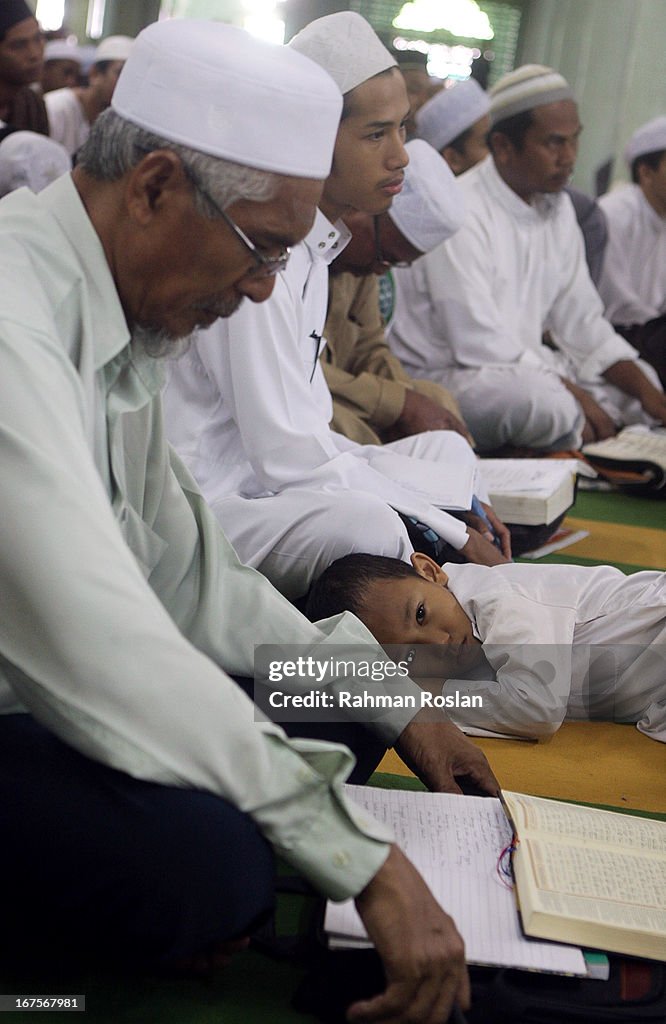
{"x":420,"y":614}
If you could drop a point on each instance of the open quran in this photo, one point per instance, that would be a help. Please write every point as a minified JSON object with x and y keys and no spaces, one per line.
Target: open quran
{"x":635,"y":459}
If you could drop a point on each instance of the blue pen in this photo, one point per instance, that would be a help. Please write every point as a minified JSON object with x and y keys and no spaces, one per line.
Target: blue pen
{"x":478,"y":510}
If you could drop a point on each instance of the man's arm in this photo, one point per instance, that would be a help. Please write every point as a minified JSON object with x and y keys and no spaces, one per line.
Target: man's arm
{"x":629,"y":377}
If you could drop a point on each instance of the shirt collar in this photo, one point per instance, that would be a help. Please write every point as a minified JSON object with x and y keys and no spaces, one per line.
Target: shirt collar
{"x":110,"y":331}
{"x":326,"y":240}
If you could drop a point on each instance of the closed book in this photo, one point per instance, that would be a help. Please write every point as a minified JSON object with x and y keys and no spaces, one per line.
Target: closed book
{"x":530,"y":492}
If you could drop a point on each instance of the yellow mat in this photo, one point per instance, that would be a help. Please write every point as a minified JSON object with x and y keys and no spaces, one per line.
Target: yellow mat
{"x":596,"y":762}
{"x":610,"y":542}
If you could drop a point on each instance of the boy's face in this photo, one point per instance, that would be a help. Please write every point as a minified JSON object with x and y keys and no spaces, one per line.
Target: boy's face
{"x":420,"y":610}
{"x":370,"y":157}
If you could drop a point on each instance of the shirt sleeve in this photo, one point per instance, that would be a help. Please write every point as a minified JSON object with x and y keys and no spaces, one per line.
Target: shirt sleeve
{"x":622,"y":302}
{"x":92,"y":652}
{"x":576,"y":316}
{"x":529,"y":649}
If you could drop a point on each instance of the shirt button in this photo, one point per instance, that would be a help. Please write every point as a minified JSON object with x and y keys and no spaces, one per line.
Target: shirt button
{"x":322,"y":245}
{"x":331,"y":234}
{"x":340,"y":858}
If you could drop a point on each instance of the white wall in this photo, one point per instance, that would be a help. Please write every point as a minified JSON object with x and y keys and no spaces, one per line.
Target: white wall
{"x":612,"y":53}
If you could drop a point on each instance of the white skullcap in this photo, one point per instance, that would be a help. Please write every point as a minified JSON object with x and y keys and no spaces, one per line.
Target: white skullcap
{"x":113,"y":48}
{"x":60,"y":49}
{"x":532,"y":85}
{"x":430,"y":207}
{"x":214,"y":88}
{"x":649,"y":138}
{"x":450,"y":112}
{"x":27,"y":158}
{"x":346,"y":46}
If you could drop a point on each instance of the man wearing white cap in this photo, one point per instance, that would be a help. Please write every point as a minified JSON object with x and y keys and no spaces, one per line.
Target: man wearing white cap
{"x":73,"y":111}
{"x":140,"y":795}
{"x":472,"y":313}
{"x":248,"y":407}
{"x":30,"y":159}
{"x":374,"y":399}
{"x":633,"y":283}
{"x":62,"y":65}
{"x":456,"y":122}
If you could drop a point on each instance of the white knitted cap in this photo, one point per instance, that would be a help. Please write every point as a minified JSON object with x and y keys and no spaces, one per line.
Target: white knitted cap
{"x":215,"y":88}
{"x":30,"y":159}
{"x":530,"y":86}
{"x":430,"y":207}
{"x":346,"y":46}
{"x":649,"y":138}
{"x":450,"y":112}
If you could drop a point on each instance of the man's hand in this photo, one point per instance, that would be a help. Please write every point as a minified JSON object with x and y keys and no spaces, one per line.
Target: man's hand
{"x":439,"y":753}
{"x":498,"y":529}
{"x":598,"y":424}
{"x":654,"y":404}
{"x":481,"y":551}
{"x":419,"y":945}
{"x":420,"y":413}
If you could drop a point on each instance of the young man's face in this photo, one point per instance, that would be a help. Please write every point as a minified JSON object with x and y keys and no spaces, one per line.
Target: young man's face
{"x":474,"y":149}
{"x":418,"y":610}
{"x":546,"y":160}
{"x":370,"y":156}
{"x":60,"y":74}
{"x":22,"y":53}
{"x":103,"y":82}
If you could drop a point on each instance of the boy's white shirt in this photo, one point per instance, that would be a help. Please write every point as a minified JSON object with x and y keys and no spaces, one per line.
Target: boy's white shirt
{"x":543,"y":629}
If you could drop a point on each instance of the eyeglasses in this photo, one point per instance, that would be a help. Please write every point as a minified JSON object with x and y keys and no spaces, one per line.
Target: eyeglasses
{"x":267,"y":266}
{"x":379,"y":255}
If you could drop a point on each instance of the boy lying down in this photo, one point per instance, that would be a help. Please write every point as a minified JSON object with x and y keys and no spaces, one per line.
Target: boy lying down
{"x":538,"y":643}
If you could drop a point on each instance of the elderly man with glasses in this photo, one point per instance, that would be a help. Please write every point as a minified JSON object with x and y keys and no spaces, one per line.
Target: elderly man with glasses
{"x":142,"y":798}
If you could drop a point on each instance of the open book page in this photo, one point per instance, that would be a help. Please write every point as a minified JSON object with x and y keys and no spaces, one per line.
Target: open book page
{"x":425,"y":478}
{"x":632,"y":444}
{"x":592,"y":876}
{"x":455,"y":842}
{"x":587,"y":824}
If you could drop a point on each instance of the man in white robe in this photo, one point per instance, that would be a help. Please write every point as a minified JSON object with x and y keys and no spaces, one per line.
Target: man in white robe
{"x":248,"y":407}
{"x":633,"y":283}
{"x":472,"y":314}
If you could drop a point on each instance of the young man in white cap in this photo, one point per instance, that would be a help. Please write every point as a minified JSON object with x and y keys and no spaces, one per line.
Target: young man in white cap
{"x":21,"y":65}
{"x":63,"y":64}
{"x":248,"y":407}
{"x":633,"y":282}
{"x":374,"y":399}
{"x":456,"y":122}
{"x":473,"y":312}
{"x":124,"y":605}
{"x":73,"y":111}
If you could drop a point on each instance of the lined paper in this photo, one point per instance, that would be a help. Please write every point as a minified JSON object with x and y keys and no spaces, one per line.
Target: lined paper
{"x":455,"y":842}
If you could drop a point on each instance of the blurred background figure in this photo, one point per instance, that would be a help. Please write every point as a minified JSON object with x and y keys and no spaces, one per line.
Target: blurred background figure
{"x":62,"y":65}
{"x":412,"y":64}
{"x":30,"y":159}
{"x":456,"y":122}
{"x":73,"y":111}
{"x":21,"y":64}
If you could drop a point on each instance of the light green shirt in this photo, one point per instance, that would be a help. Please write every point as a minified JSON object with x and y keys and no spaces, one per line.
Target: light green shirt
{"x":121,"y":597}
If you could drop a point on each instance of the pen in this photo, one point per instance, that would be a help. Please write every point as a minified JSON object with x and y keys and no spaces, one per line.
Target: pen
{"x":478,"y":510}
